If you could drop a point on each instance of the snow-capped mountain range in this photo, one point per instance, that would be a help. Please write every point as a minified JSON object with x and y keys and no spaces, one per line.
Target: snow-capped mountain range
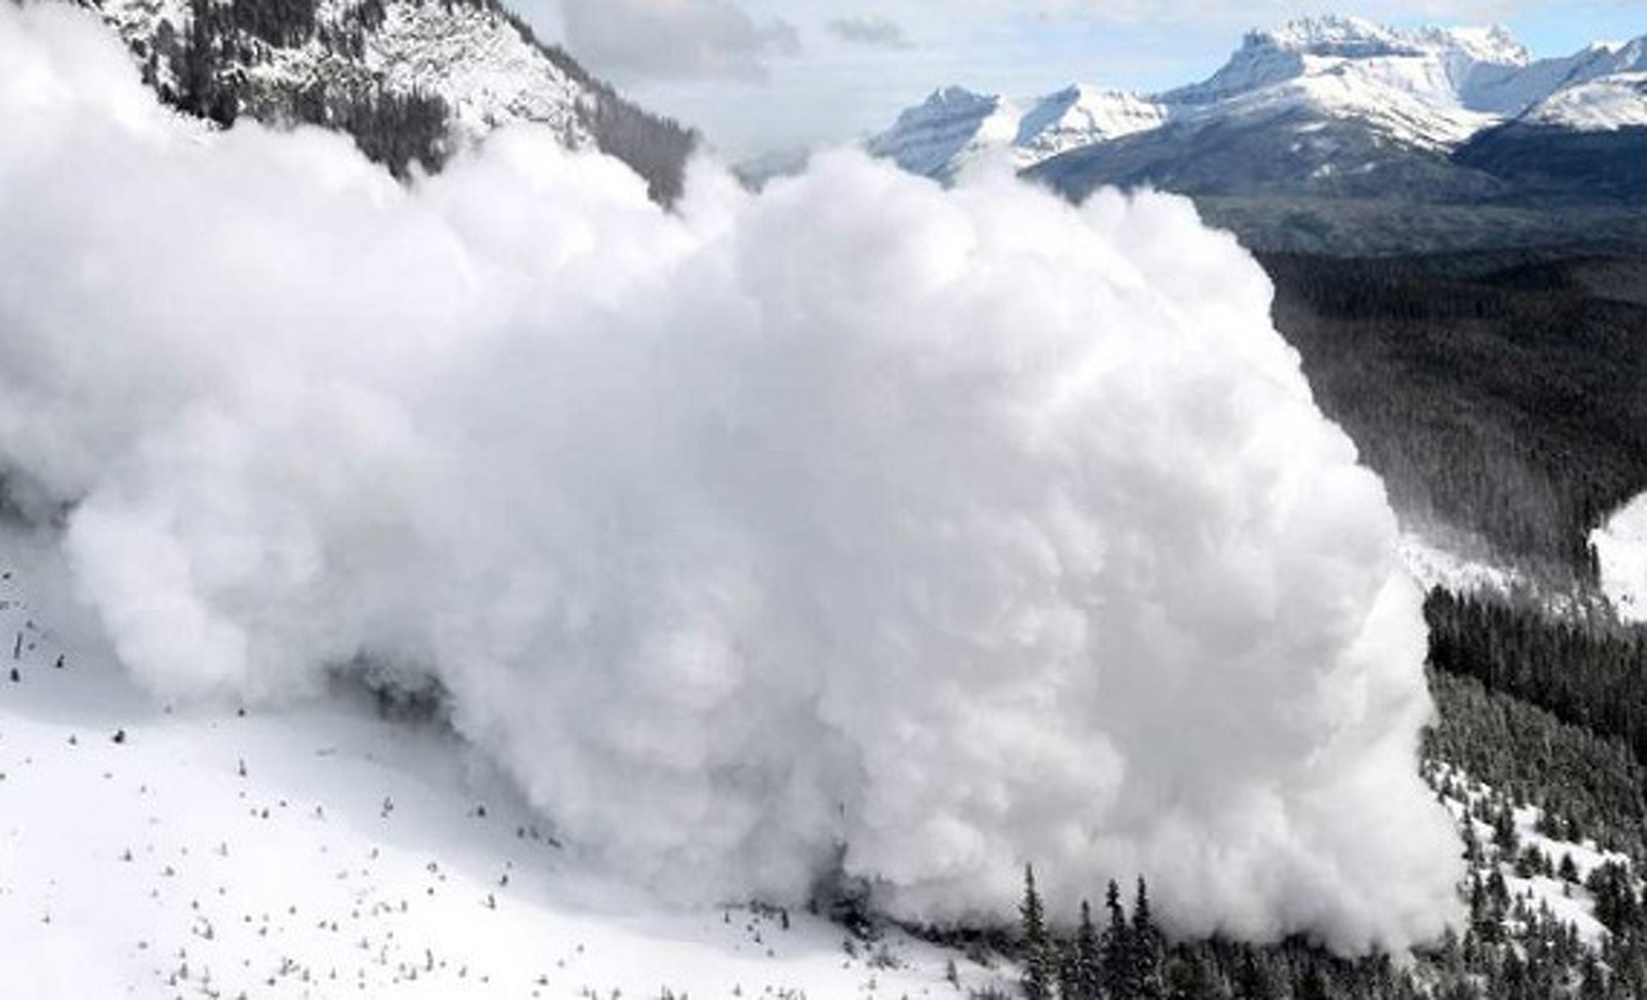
{"x":412,"y":81}
{"x":1427,"y":90}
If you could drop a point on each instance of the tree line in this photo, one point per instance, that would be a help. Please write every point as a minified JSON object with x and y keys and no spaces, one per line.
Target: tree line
{"x":1593,"y":675}
{"x":1501,"y":394}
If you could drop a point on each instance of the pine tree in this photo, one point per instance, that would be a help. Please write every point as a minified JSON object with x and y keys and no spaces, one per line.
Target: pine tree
{"x":1593,"y":982}
{"x":1086,"y":978}
{"x":1115,"y":949}
{"x":1147,"y":951}
{"x":1040,"y":958}
{"x":1504,"y":833}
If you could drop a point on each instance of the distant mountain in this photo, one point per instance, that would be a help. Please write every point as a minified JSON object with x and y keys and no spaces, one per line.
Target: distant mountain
{"x":1606,"y":103}
{"x":954,"y":125}
{"x":412,"y":81}
{"x":1328,"y":107}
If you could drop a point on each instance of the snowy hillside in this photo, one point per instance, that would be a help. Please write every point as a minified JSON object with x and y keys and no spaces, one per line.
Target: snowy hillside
{"x":1472,"y":805}
{"x":324,"y":851}
{"x":328,"y":850}
{"x":1077,"y":116}
{"x":1433,"y":565}
{"x":412,"y":81}
{"x":1604,"y":104}
{"x":1426,"y":90}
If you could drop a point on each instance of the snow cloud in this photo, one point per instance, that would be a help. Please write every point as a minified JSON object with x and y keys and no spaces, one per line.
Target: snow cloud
{"x":675,"y":39}
{"x":872,"y":30}
{"x":930,"y":532}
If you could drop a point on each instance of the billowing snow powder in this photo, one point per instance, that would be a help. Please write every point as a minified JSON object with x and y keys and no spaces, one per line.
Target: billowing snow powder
{"x":924,"y":532}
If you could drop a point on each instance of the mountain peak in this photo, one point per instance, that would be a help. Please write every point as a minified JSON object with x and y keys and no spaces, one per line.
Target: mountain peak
{"x":955,"y":97}
{"x":1329,"y":35}
{"x":1342,"y":97}
{"x":953,"y":121}
{"x":1494,"y":44}
{"x":1357,"y":38}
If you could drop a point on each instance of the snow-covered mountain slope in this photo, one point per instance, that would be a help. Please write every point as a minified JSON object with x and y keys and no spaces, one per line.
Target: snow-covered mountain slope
{"x":323,"y":851}
{"x":1604,"y":104}
{"x":948,"y":128}
{"x":1432,"y":66}
{"x":1078,"y":116}
{"x":1433,"y":565}
{"x":954,"y":126}
{"x":412,"y":81}
{"x":1514,"y":91}
{"x":1424,"y":92}
{"x":1568,"y":902}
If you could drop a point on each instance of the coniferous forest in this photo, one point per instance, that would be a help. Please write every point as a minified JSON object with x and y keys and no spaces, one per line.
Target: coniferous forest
{"x":1500,"y":394}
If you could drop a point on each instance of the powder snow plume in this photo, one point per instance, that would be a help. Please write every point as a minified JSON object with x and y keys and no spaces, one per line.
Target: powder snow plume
{"x":950,"y":529}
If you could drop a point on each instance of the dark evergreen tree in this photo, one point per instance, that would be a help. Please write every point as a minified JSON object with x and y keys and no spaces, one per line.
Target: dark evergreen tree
{"x":1086,"y":980}
{"x":1039,"y":954}
{"x":1115,"y":949}
{"x":1146,"y":951}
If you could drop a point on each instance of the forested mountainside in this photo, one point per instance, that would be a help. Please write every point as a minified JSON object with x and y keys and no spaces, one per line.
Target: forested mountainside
{"x":1504,"y":394}
{"x":411,"y":80}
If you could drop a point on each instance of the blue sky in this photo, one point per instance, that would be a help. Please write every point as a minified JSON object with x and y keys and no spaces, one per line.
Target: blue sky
{"x":759,"y":75}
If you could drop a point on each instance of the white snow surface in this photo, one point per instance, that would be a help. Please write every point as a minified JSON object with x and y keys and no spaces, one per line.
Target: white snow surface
{"x":1604,"y":104}
{"x":1078,"y":116}
{"x":1462,"y":565}
{"x":1621,"y":551}
{"x":952,"y":126}
{"x":1433,"y":565}
{"x":479,"y":64}
{"x":1570,"y":903}
{"x":1430,"y":88}
{"x":321,"y":851}
{"x":472,"y":58}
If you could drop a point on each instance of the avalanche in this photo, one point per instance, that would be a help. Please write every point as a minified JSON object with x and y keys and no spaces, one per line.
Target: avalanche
{"x":861,"y":527}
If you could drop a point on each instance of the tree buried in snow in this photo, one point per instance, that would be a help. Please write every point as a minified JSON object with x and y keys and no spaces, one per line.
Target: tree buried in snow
{"x":960,"y":528}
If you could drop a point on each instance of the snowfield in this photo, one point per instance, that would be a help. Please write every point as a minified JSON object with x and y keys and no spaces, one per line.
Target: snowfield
{"x":322,"y":851}
{"x":1621,"y":549}
{"x":325,"y":851}
{"x":1569,"y":903}
{"x":1434,"y":565}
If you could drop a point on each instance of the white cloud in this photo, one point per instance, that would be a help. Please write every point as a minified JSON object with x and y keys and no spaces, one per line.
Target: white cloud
{"x":963,"y":528}
{"x":675,"y":39}
{"x":870,"y":30}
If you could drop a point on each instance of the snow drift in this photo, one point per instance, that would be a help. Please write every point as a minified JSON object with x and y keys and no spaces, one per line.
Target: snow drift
{"x":953,"y":530}
{"x":1621,"y":556}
